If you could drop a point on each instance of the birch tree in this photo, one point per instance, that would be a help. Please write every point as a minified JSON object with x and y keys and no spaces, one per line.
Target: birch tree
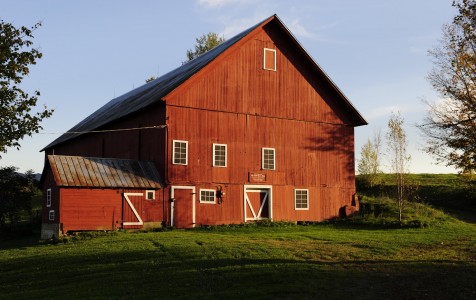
{"x":397,"y":144}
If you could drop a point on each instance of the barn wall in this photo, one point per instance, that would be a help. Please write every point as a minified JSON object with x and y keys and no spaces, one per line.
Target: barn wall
{"x":146,"y":144}
{"x":311,"y":155}
{"x":324,"y":203}
{"x":318,"y":157}
{"x":104,"y":209}
{"x":50,"y":228}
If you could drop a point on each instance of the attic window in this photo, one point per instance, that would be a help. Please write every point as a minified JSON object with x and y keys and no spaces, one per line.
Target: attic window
{"x":269,"y":59}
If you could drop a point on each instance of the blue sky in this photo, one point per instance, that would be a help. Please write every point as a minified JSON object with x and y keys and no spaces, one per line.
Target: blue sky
{"x":93,"y":51}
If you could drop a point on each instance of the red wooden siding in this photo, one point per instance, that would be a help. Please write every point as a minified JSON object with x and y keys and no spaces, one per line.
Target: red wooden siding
{"x":238,"y":83}
{"x":314,"y":155}
{"x":84,"y":209}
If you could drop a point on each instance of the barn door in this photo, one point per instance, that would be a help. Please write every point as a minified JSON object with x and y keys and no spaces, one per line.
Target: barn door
{"x":257,"y":202}
{"x":182,"y":206}
{"x":132,"y":207}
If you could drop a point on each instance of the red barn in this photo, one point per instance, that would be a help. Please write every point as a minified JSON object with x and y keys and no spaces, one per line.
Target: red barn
{"x":250,"y":130}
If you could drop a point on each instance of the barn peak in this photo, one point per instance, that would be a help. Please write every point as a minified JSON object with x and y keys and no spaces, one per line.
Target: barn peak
{"x":155,"y":91}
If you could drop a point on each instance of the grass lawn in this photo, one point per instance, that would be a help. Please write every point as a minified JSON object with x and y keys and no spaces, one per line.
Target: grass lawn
{"x":279,"y":262}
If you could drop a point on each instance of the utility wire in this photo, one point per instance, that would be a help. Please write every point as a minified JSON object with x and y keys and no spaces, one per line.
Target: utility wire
{"x":108,"y":130}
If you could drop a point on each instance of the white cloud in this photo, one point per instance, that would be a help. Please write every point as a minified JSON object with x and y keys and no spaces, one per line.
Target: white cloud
{"x":299,"y":30}
{"x":220,"y":3}
{"x":235,"y":26}
{"x":385,"y":111}
{"x":379,"y":112}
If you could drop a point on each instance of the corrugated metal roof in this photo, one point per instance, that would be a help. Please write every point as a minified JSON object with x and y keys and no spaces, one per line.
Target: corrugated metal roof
{"x":153,"y":91}
{"x":95,"y":172}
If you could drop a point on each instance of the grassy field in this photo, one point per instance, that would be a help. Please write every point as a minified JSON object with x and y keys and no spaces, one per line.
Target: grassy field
{"x":431,"y":255}
{"x":284,"y":261}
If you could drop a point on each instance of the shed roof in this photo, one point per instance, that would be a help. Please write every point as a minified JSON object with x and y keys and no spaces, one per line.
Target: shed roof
{"x":94,"y":172}
{"x":153,"y":92}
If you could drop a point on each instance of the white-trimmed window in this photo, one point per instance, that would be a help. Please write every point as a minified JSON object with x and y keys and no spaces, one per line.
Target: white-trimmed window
{"x":207,"y":196}
{"x":150,"y":195}
{"x":269,"y":59}
{"x":219,"y":155}
{"x":301,"y":199}
{"x":51,"y":215}
{"x":180,"y":152}
{"x":48,"y":197}
{"x":268,"y":159}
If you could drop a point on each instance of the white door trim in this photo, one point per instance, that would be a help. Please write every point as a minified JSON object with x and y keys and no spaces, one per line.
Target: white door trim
{"x":172,"y":203}
{"x":139,"y":222}
{"x":268,"y":189}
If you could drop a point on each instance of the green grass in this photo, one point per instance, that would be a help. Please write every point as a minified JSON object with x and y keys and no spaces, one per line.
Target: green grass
{"x":451,"y":192}
{"x":286,"y":261}
{"x":431,"y":255}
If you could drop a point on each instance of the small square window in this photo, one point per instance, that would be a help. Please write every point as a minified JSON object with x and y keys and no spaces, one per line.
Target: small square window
{"x":269,"y":59}
{"x":219,"y":155}
{"x":301,"y":199}
{"x":207,"y":196}
{"x":180,"y":152}
{"x":48,"y":197}
{"x":150,"y":195}
{"x":268,"y":159}
{"x":51,"y":215}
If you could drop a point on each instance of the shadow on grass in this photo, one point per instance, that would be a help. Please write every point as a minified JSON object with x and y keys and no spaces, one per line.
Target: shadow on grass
{"x":176,"y":273}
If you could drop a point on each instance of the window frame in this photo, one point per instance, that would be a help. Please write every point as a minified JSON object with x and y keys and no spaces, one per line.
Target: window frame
{"x":208,"y":190}
{"x":174,"y":153}
{"x":147,"y":195}
{"x":265,"y":50}
{"x":263,"y":158}
{"x":51,"y":215}
{"x":214,"y":158}
{"x":48,"y":197}
{"x":295,"y":199}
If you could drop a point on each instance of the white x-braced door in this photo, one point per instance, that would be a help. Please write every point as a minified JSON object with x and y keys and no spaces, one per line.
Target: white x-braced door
{"x":257,"y":202}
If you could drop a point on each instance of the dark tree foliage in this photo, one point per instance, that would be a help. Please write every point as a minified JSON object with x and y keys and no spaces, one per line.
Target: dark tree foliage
{"x":16,"y":55}
{"x":204,"y":43}
{"x":16,"y":192}
{"x":451,"y":124}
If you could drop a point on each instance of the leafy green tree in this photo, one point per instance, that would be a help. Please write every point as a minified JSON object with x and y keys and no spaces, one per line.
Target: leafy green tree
{"x":451,"y":124}
{"x":16,"y":192}
{"x":16,"y":55}
{"x":397,"y":144}
{"x":370,"y":160}
{"x":204,"y":43}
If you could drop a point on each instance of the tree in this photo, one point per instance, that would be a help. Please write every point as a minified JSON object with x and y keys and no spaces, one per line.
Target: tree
{"x":397,"y":144}
{"x":369,"y":163}
{"x":16,"y":192}
{"x":204,"y":43}
{"x":451,"y":124}
{"x":16,"y":54}
{"x":151,"y":78}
